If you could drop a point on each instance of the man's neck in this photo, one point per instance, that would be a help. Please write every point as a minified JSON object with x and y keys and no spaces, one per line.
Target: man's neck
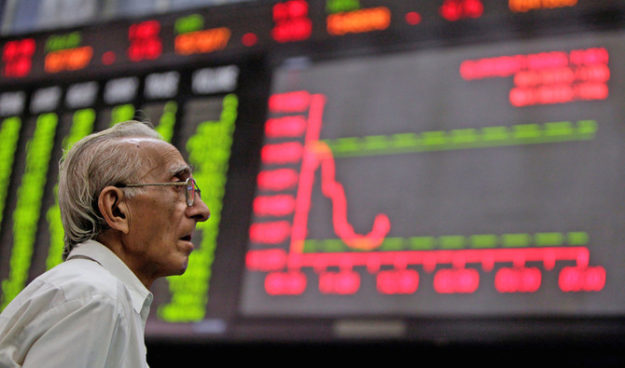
{"x":116,"y":245}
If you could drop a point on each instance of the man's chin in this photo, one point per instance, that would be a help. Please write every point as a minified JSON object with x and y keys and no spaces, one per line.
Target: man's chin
{"x":181,"y":268}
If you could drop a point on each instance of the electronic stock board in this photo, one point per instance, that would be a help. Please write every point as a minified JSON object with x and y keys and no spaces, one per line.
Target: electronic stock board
{"x":382,"y":168}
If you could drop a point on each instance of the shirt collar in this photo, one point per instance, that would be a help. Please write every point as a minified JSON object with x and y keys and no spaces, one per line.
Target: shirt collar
{"x":141,"y":297}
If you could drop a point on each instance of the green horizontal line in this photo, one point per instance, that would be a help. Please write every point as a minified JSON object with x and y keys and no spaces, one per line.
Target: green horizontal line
{"x":577,"y":238}
{"x":441,"y":140}
{"x":516,"y":240}
{"x":484,"y":241}
{"x":475,"y":241}
{"x":422,"y":242}
{"x":548,"y":239}
{"x":391,"y":244}
{"x":452,"y":241}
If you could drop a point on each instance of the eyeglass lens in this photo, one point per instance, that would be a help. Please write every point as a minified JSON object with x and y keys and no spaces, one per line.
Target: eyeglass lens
{"x":190,"y":192}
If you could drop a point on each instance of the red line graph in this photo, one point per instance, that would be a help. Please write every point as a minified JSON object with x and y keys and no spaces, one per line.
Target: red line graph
{"x":291,"y":193}
{"x":317,"y":154}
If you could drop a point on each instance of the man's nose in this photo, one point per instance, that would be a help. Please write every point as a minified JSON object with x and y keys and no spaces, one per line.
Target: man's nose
{"x":199,"y":211}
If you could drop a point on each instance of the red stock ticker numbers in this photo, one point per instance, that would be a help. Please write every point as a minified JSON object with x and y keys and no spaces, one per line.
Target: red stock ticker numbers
{"x":453,"y":10}
{"x":548,"y":77}
{"x":145,"y":42}
{"x":17,"y":57}
{"x":291,"y":21}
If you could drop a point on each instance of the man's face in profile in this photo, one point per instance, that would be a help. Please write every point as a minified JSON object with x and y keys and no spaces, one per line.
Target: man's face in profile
{"x":160,"y":221}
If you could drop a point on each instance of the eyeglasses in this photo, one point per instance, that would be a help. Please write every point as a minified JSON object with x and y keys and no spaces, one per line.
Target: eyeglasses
{"x":190,"y":186}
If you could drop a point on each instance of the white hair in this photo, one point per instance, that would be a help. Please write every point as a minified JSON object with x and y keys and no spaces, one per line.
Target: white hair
{"x":96,"y":161}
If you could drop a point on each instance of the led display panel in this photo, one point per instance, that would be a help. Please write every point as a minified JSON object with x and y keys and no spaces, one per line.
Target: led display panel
{"x":464,"y":181}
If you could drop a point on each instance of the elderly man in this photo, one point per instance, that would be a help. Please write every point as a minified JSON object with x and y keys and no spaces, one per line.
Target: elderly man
{"x":129,"y":206}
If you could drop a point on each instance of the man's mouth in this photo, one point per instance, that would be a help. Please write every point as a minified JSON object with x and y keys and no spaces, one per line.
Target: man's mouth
{"x":187,"y":244}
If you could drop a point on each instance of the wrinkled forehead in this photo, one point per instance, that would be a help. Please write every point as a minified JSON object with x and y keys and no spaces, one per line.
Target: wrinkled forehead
{"x":160,"y":160}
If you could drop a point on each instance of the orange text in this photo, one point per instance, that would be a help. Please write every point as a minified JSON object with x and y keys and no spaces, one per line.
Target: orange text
{"x":202,"y":41}
{"x":359,"y":21}
{"x":69,"y":59}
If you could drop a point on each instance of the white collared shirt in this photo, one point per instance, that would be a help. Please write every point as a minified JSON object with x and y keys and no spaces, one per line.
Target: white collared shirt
{"x":89,"y":311}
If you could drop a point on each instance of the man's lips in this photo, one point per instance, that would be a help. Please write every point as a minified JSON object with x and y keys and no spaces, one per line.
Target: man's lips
{"x":187,"y":240}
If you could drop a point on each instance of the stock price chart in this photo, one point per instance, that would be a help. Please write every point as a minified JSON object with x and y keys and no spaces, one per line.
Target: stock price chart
{"x":408,"y":182}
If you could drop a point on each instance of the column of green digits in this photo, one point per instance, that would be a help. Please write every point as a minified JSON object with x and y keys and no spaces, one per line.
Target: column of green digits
{"x":82,"y":124}
{"x":209,"y":153}
{"x":9,"y":134}
{"x":29,"y":195}
{"x":167,"y":121}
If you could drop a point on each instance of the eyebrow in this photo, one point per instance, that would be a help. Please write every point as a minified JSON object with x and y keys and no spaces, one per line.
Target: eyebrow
{"x":178,"y":170}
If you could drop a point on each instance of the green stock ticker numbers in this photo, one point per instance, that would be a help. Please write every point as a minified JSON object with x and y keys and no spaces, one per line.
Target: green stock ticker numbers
{"x":209,"y":153}
{"x":9,"y":134}
{"x":27,"y":211}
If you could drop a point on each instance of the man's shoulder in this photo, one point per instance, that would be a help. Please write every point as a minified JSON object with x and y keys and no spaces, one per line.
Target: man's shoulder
{"x":72,"y":286}
{"x":68,"y":302}
{"x":76,"y":282}
{"x":79,"y":278}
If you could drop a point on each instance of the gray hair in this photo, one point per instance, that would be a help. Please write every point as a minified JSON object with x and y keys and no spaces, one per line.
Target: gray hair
{"x":96,"y":161}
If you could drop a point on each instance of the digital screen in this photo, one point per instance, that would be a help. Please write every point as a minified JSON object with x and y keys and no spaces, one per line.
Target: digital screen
{"x":377,"y":168}
{"x":465,"y":181}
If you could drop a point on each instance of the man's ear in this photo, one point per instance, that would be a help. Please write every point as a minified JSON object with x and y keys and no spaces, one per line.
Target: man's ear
{"x":113,"y":207}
